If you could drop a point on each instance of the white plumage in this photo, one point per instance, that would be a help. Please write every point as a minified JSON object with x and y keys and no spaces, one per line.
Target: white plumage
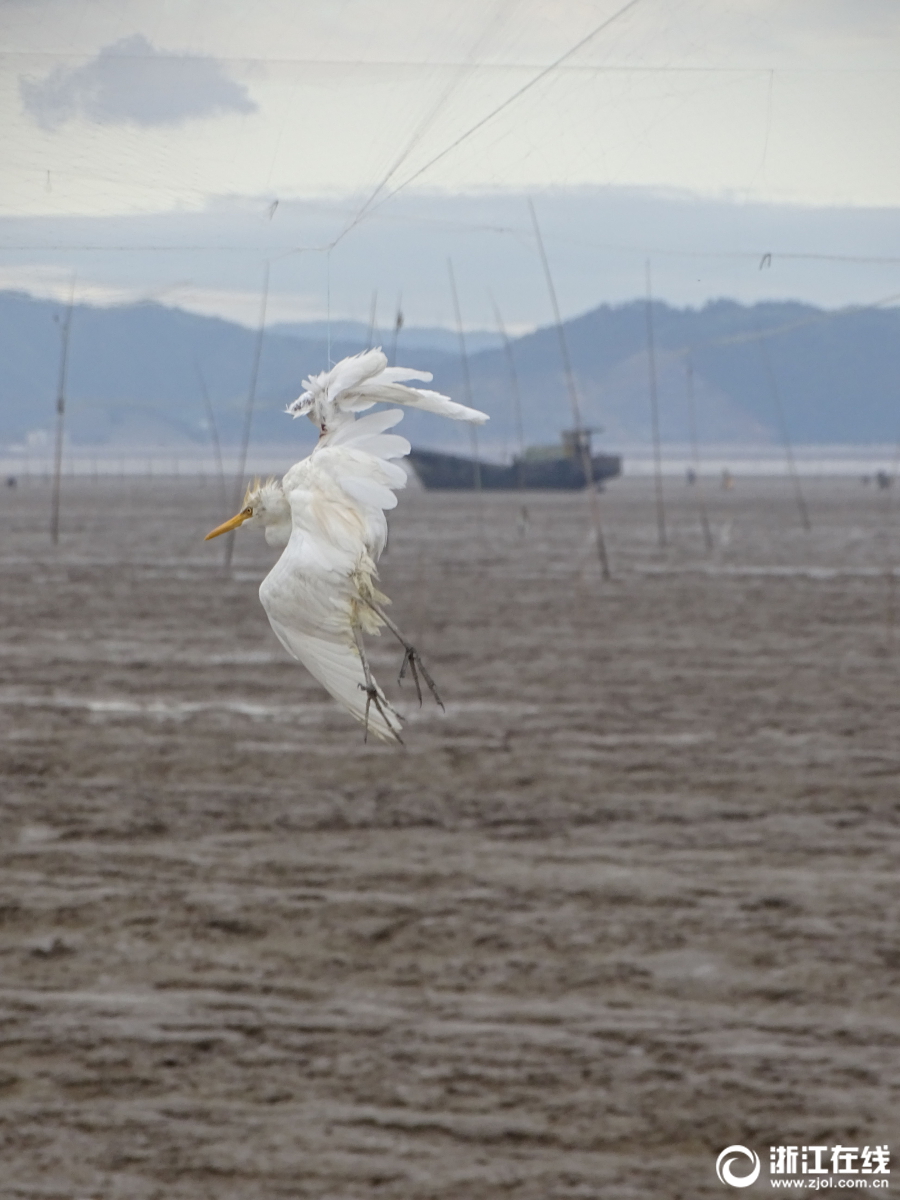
{"x":328,"y":512}
{"x":355,"y":384}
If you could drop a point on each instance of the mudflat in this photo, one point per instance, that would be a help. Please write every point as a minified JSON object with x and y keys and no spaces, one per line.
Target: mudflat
{"x":631,"y":899}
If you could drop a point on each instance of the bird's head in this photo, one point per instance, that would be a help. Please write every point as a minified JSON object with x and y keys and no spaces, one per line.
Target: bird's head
{"x":263,"y":502}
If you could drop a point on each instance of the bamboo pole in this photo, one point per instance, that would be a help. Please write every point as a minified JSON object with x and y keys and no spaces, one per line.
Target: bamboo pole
{"x":695,"y":456}
{"x":60,"y":419}
{"x":473,"y":434}
{"x":398,"y":325}
{"x":586,"y":463}
{"x":248,"y":412}
{"x":213,"y":434}
{"x":517,"y":411}
{"x":370,"y":341}
{"x":890,"y":568}
{"x":785,"y":436}
{"x":654,"y":420}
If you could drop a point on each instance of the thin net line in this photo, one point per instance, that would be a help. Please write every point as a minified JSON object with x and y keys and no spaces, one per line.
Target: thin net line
{"x":533,"y":82}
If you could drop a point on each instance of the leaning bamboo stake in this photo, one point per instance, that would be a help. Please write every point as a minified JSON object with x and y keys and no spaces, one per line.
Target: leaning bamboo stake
{"x":785,"y":436}
{"x":517,"y":414}
{"x":654,"y":421}
{"x":398,"y":325}
{"x":695,"y":457}
{"x":248,"y":413}
{"x":214,"y":435}
{"x":586,"y":463}
{"x":370,"y":339}
{"x":466,"y":377}
{"x":890,"y":570}
{"x":60,"y":420}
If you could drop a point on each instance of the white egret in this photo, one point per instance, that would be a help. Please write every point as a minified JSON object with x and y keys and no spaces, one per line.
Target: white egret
{"x":328,"y":512}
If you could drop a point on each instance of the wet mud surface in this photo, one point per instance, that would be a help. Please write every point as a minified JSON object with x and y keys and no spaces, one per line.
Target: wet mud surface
{"x":630,"y":900}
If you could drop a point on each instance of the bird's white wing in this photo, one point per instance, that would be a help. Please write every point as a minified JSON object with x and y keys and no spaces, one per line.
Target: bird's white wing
{"x":355,"y":384}
{"x":309,"y":600}
{"x":315,"y":594}
{"x":349,"y":481}
{"x":391,"y":392}
{"x":349,"y":373}
{"x":369,"y":434}
{"x":325,"y":389}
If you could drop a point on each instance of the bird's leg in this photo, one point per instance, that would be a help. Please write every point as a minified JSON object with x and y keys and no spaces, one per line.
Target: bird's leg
{"x":371,"y":690}
{"x":411,"y":659}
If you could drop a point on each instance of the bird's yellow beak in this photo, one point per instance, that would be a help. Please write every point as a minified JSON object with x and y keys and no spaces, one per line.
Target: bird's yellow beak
{"x":232,"y":524}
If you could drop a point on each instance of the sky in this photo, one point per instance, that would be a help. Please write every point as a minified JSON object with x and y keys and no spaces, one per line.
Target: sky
{"x":169,"y":151}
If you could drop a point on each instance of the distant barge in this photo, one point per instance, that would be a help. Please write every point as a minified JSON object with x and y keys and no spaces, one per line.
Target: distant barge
{"x":556,"y":467}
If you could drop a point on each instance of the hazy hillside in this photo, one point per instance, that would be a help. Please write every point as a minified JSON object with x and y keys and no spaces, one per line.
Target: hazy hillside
{"x":411,"y":337}
{"x":136,"y":374}
{"x":838,"y":376}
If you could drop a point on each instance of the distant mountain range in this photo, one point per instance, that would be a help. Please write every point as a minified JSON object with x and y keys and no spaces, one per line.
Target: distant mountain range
{"x":410,"y":337}
{"x":137,"y":375}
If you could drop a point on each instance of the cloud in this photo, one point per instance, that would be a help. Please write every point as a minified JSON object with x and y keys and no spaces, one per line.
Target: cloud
{"x":131,"y":82}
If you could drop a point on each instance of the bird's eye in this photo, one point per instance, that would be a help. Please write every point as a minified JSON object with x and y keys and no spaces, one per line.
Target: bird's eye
{"x":248,"y":512}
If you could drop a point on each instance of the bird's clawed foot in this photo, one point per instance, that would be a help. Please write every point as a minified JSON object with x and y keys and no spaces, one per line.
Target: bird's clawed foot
{"x":413,"y":661}
{"x":372,"y":697}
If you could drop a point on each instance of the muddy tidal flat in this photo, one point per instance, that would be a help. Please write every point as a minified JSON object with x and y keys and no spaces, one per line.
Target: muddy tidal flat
{"x":631,"y":899}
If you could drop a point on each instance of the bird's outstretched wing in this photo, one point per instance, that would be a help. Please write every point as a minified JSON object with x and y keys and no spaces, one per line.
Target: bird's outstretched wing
{"x":355,"y":384}
{"x":315,"y":595}
{"x":350,"y":477}
{"x":337,"y":666}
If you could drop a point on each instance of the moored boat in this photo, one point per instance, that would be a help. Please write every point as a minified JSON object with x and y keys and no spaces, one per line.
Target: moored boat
{"x":552,"y":467}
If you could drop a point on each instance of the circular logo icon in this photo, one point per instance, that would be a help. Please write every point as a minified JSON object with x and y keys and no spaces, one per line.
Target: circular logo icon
{"x":727,"y":1157}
